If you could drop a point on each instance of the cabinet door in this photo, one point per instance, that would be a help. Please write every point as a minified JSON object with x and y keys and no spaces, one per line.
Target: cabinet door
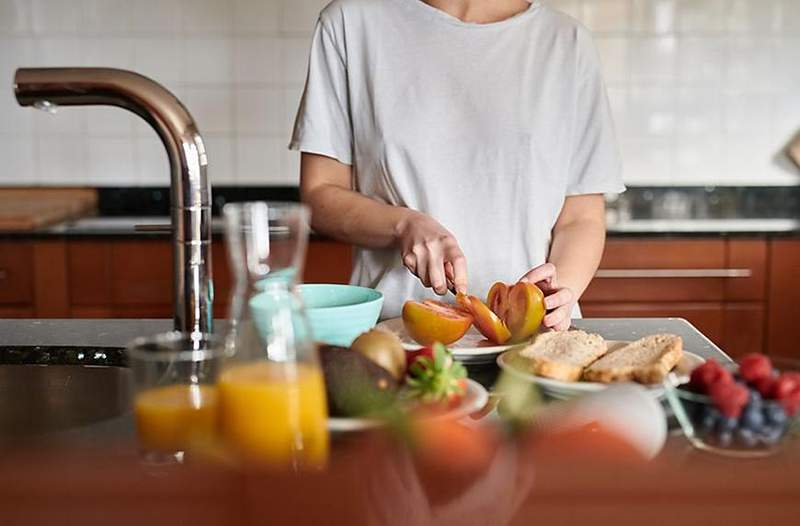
{"x":784,"y":298}
{"x":16,"y":273}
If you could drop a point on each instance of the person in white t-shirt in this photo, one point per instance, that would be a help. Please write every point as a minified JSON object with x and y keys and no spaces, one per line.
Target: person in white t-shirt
{"x":457,"y":143}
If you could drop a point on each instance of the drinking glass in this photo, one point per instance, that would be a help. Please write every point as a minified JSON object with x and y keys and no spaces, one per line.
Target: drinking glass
{"x":175,"y":402}
{"x":271,"y":392}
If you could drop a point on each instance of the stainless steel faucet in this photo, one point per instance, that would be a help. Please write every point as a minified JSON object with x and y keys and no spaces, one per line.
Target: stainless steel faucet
{"x":47,"y":88}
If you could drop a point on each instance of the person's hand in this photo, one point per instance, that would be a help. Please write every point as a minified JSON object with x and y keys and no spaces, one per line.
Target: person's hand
{"x":431,"y":253}
{"x":558,"y":301}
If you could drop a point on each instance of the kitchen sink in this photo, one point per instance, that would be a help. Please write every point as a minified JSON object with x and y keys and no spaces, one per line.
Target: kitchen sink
{"x":46,"y":390}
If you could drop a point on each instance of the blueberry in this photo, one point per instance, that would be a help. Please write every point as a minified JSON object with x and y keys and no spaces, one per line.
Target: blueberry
{"x":708,"y":419}
{"x":752,"y":417}
{"x":746,"y":437}
{"x":771,"y":435}
{"x":755,"y":398}
{"x":724,"y":439}
{"x":775,"y":414}
{"x":727,"y":424}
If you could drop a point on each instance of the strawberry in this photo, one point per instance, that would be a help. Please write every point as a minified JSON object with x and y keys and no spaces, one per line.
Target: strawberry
{"x":708,"y":374}
{"x":413,"y":356}
{"x":785,"y":384}
{"x":791,"y":402}
{"x":754,"y":367}
{"x":730,"y":398}
{"x":437,"y":379}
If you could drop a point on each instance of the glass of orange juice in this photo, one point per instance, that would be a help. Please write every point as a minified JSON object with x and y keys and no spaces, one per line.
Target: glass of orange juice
{"x":271,"y":393}
{"x":175,"y":402}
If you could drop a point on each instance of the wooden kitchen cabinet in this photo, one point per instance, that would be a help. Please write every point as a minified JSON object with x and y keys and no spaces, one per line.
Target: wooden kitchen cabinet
{"x":783,"y":319}
{"x":718,"y":285}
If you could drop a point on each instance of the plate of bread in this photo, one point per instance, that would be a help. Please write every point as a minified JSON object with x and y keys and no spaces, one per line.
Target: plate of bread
{"x":575,"y":362}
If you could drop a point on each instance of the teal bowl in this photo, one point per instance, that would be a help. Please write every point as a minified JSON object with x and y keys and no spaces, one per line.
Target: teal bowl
{"x":337,"y":314}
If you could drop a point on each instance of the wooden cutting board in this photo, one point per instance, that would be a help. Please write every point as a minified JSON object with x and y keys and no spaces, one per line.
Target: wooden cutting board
{"x":27,"y":209}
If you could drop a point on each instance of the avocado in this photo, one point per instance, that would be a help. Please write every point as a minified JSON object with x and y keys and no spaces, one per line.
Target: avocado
{"x":355,"y":385}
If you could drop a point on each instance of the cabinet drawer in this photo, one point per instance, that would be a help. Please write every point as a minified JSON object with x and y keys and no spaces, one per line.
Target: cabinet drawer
{"x":16,"y":273}
{"x":646,"y":270}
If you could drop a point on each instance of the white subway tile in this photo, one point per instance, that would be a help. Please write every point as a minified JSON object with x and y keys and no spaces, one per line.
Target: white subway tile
{"x":699,"y":112}
{"x":58,"y":52}
{"x":156,"y":17}
{"x":13,"y":117}
{"x":647,"y":161}
{"x":760,"y":17}
{"x":256,"y":16}
{"x":14,"y":53}
{"x":258,"y":60}
{"x":701,"y":16}
{"x":290,"y":168}
{"x":749,"y":159}
{"x":294,"y":55}
{"x":106,"y":16}
{"x":111,"y":162}
{"x":105,"y":121}
{"x":108,"y":52}
{"x":603,"y":16}
{"x":15,"y":16}
{"x":221,"y":164}
{"x":152,"y":164}
{"x":698,"y":159}
{"x":260,"y":110}
{"x":300,"y":16}
{"x":614,"y":57}
{"x":651,"y":111}
{"x":654,"y":16}
{"x":56,"y":16}
{"x":786,"y":122}
{"x":790,"y":17}
{"x":786,"y":64}
{"x":207,"y":60}
{"x":207,"y":16}
{"x":258,"y":160}
{"x":211,"y":108}
{"x":573,"y":8}
{"x":748,"y":113}
{"x":158,"y":58}
{"x":653,"y":60}
{"x":62,"y":159}
{"x":701,"y":60}
{"x":17,"y":154}
{"x":68,"y":120}
{"x":750,"y":64}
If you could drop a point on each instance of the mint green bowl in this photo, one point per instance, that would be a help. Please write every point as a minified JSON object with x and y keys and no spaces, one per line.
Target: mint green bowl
{"x":337,"y":313}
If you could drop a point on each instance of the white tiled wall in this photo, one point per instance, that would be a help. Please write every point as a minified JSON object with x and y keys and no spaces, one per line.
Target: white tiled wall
{"x":704,"y":91}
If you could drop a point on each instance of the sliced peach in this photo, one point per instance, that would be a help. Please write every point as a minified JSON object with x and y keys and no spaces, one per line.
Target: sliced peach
{"x":524,"y":310}
{"x":486,"y":321}
{"x":431,"y":321}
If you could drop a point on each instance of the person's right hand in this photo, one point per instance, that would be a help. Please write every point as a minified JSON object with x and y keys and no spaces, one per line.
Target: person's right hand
{"x":432,"y":253}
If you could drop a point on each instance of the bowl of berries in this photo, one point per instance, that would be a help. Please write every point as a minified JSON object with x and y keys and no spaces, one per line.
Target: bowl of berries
{"x":744,"y":409}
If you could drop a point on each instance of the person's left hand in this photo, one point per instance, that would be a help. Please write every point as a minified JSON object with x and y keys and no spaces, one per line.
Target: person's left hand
{"x":558,"y":301}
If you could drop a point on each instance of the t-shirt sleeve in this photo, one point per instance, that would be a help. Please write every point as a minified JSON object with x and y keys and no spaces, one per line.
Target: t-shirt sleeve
{"x":596,"y":166}
{"x":323,"y":125}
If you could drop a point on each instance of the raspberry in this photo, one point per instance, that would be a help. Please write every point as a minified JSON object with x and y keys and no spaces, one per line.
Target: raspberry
{"x":765,"y":386}
{"x":785,"y":385}
{"x":730,"y":398}
{"x":791,"y":402}
{"x":754,"y":367}
{"x":707,"y":375}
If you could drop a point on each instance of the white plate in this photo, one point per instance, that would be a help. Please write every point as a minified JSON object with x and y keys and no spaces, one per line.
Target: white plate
{"x":471,"y":344}
{"x":474,"y":399}
{"x":566,"y":390}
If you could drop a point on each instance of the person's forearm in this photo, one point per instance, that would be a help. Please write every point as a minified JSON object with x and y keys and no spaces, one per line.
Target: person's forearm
{"x":575,"y":250}
{"x":349,"y":216}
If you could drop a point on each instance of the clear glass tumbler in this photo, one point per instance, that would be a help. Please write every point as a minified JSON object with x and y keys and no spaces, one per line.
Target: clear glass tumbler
{"x":272,"y":392}
{"x":175,"y":401}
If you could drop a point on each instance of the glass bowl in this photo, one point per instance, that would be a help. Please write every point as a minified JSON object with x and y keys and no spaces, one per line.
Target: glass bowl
{"x":750,"y":436}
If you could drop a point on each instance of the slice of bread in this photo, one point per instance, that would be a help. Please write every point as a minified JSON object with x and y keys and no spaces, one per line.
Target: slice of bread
{"x":563,"y":355}
{"x":646,"y":361}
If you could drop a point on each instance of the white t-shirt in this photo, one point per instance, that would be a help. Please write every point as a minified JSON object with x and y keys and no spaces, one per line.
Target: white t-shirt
{"x":485,"y":127}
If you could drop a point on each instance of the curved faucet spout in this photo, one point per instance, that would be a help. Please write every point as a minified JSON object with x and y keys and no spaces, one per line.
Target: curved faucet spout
{"x":191,"y":191}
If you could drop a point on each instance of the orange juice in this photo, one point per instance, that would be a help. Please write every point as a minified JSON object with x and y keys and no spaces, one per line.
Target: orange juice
{"x":171,"y":417}
{"x":275,"y":413}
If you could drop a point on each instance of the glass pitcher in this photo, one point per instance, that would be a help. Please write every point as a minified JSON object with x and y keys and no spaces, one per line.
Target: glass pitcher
{"x":272,"y":405}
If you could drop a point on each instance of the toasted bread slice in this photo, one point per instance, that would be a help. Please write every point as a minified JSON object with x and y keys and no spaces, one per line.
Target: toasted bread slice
{"x":563,"y":355}
{"x":646,"y":361}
